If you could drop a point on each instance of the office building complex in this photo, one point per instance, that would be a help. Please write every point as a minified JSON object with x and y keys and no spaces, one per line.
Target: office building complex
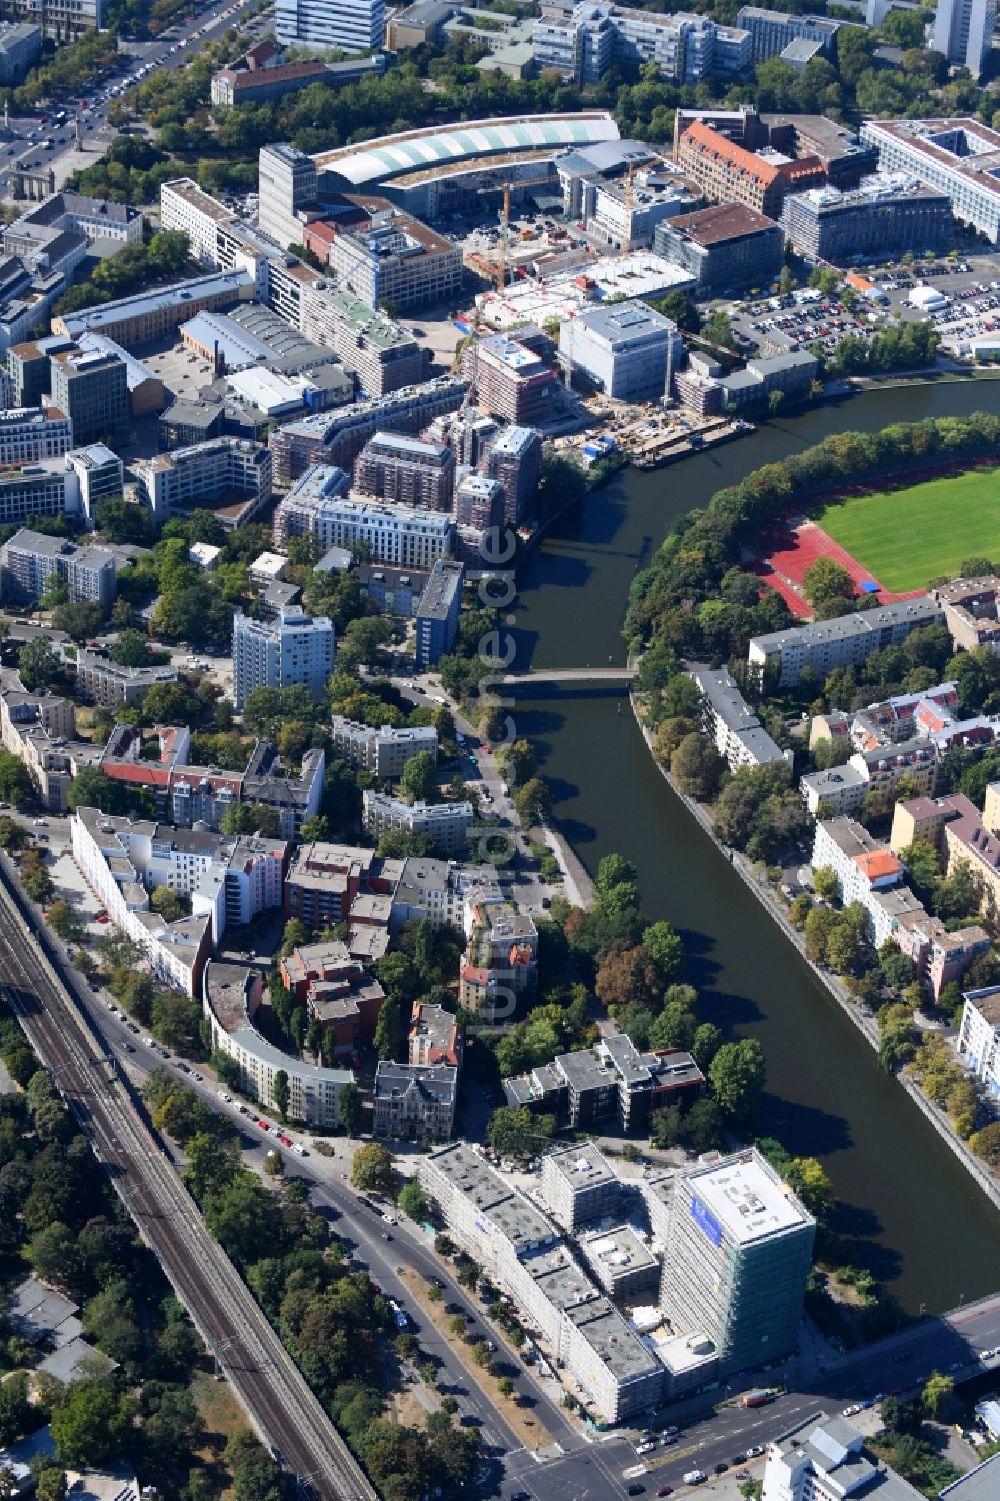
{"x":150,"y":315}
{"x":838,"y":642}
{"x":727,"y":245}
{"x":69,"y":16}
{"x":737,"y":1259}
{"x":384,"y":752}
{"x":963,"y":32}
{"x":771,"y":31}
{"x":348,"y":25}
{"x":394,"y":466}
{"x":30,"y":561}
{"x":286,"y":185}
{"x":402,"y":535}
{"x":625,"y":349}
{"x":281,"y":653}
{"x":730,"y":173}
{"x":958,"y":157}
{"x":524,"y":1255}
{"x":260,"y":77}
{"x":232,"y":995}
{"x":584,"y":44}
{"x":29,"y":434}
{"x":883,"y":217}
{"x":446,"y":823}
{"x":437,"y":613}
{"x":230,"y":476}
{"x":92,"y":390}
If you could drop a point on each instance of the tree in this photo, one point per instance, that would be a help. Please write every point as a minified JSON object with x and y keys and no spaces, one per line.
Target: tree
{"x":349,"y":1108}
{"x":737,"y":1075}
{"x":697,"y":767}
{"x":936,"y":1394}
{"x":168,"y":903}
{"x":281,"y":1092}
{"x":131,"y":649}
{"x":413,"y":1202}
{"x":15,"y":783}
{"x":419,"y":779}
{"x":986,"y":1143}
{"x":387,"y":1028}
{"x":514,"y":1131}
{"x":665,"y":947}
{"x":533,"y":802}
{"x":826,"y":583}
{"x":628,"y":977}
{"x":90,"y":1422}
{"x":505,"y":1386}
{"x":80,"y":620}
{"x":826,"y":883}
{"x":65,"y":922}
{"x":251,"y":818}
{"x":93,"y":788}
{"x":372,"y":1167}
{"x":37,"y":665}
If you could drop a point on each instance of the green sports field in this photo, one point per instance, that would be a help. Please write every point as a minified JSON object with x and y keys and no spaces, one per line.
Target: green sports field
{"x":906,"y":537}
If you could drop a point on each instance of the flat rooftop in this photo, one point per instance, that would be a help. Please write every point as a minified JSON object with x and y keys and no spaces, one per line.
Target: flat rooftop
{"x":721,"y":222}
{"x":581,"y":1166}
{"x":747,"y":1198}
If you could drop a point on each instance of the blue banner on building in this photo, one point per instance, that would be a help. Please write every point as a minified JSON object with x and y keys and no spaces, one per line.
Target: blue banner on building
{"x":711,"y":1226}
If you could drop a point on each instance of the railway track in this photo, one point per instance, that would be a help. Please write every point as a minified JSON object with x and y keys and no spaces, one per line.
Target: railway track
{"x":278,"y":1403}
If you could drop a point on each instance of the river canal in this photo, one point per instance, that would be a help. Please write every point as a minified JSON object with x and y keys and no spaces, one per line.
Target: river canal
{"x":911,"y":1212}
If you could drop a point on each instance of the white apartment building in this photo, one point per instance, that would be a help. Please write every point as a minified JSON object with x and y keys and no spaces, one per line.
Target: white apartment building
{"x":279,"y":653}
{"x":99,"y":473}
{"x":232,"y":994}
{"x":109,"y":683}
{"x":523,"y":1252}
{"x":29,"y":561}
{"x":863,"y":869}
{"x":731,"y":723}
{"x":447,"y":823}
{"x":348,"y":25}
{"x":206,"y":472}
{"x":826,"y":644}
{"x":963,"y":32}
{"x":229,"y":880}
{"x":29,"y":434}
{"x":585,"y":43}
{"x":979,"y":1036}
{"x":825,"y":1461}
{"x":406,"y":536}
{"x":384,"y":751}
{"x":436,"y":889}
{"x":186,"y":206}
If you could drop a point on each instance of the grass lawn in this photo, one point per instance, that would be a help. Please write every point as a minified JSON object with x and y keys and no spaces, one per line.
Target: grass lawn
{"x":907,"y":537}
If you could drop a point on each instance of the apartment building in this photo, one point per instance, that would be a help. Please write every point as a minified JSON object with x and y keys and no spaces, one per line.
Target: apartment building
{"x":336,"y":438}
{"x":447,"y":823}
{"x":40,"y":730}
{"x":845,"y":639}
{"x":729,"y":721}
{"x":329,"y":884}
{"x":393,"y":591}
{"x":101,"y":681}
{"x":873,"y":775}
{"x":434,"y":1036}
{"x":232,"y":476}
{"x":414,"y":1101}
{"x":338,"y":993}
{"x":883,"y":217}
{"x":971,"y":611}
{"x":293,"y":649}
{"x":31,"y":434}
{"x":625,"y":349}
{"x":825,"y":1461}
{"x":349,"y":26}
{"x":610,"y":1081}
{"x":29,"y":561}
{"x":621,"y":1263}
{"x":383,"y":751}
{"x":979,"y":1036}
{"x":479,"y":502}
{"x":890,"y":721}
{"x":227,"y":881}
{"x":863,"y":869}
{"x":729,"y":173}
{"x":92,"y":389}
{"x":738,"y":1253}
{"x":961,"y":835}
{"x":410,"y":471}
{"x":508,"y":378}
{"x":150,"y":315}
{"x":99,"y":475}
{"x":232,"y":995}
{"x":406,"y":536}
{"x":379,"y":352}
{"x":438,"y":612}
{"x":514,"y":460}
{"x":578,"y":1186}
{"x":524,"y":1255}
{"x":436,"y":890}
{"x":725,"y":245}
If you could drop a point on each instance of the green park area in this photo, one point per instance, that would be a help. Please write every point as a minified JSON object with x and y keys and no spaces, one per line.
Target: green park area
{"x":907,"y":537}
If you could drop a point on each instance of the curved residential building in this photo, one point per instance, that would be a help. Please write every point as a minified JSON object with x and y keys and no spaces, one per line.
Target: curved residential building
{"x":232,"y":994}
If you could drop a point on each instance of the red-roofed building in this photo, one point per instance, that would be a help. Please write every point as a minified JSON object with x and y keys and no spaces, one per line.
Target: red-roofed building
{"x":435,"y":1036}
{"x":729,"y":173}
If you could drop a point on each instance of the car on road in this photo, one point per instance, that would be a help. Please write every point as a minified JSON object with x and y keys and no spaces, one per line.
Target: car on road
{"x":695,"y":1477}
{"x":646,"y":1448}
{"x":738,"y":1459}
{"x":520,"y":1496}
{"x":102,"y":917}
{"x":147,"y":1042}
{"x":665,"y":1490}
{"x":286,"y":1141}
{"x":264,"y":1125}
{"x":127,"y":1047}
{"x":637,"y":1490}
{"x":721,"y":1467}
{"x":755,"y":1451}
